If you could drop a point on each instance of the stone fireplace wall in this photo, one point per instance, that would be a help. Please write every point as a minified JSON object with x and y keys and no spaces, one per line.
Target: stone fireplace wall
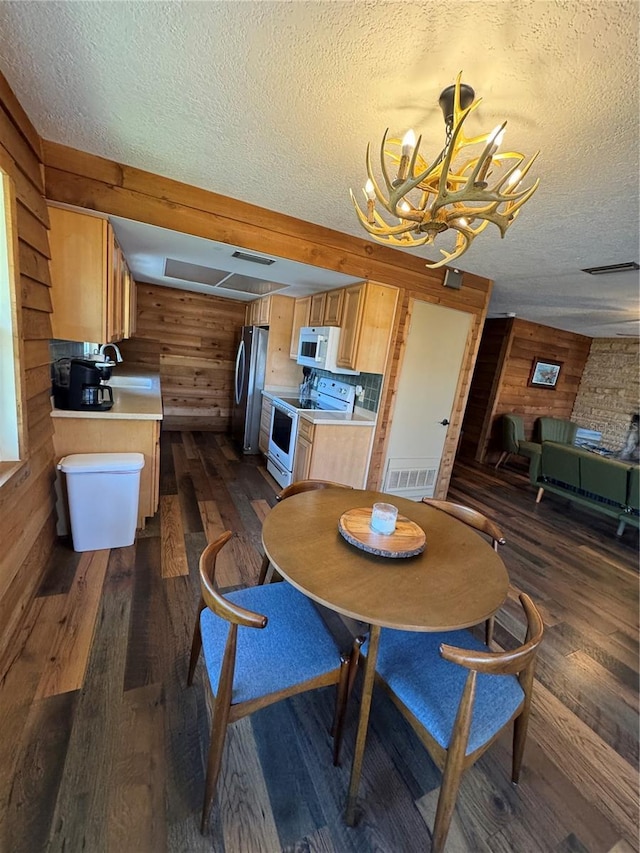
{"x":609,"y":392}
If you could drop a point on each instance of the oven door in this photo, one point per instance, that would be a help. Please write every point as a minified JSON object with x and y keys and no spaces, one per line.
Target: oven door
{"x":282,"y":435}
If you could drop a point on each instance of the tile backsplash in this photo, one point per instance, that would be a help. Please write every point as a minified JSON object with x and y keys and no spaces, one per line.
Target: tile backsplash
{"x":371,"y":382}
{"x":65,"y":349}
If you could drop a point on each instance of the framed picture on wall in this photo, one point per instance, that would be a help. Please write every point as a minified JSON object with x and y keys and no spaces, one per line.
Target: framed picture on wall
{"x":544,"y":373}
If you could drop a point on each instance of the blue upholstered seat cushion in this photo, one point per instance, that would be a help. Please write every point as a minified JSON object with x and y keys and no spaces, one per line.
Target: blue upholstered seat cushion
{"x":431,"y":687}
{"x":294,"y":646}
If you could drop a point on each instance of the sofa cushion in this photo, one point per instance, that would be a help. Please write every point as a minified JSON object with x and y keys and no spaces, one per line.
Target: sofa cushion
{"x":633,"y":493}
{"x":606,"y":478}
{"x":560,"y":464}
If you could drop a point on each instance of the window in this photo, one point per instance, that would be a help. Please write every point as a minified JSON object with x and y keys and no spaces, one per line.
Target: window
{"x":12,"y":444}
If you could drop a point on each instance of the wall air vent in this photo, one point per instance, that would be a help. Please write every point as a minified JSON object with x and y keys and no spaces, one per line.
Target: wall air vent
{"x":411,"y":477}
{"x":254,"y":259}
{"x":631,"y":265}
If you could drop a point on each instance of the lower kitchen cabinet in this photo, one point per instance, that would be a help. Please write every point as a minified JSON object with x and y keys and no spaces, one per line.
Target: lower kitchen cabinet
{"x":96,"y":435}
{"x":265,"y":425}
{"x":332,"y":452}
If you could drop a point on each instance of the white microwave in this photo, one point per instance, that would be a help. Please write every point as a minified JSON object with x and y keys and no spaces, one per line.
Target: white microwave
{"x":318,"y":347}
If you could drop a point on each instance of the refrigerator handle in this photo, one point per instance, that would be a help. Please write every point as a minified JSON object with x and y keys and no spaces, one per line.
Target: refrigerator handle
{"x":239,"y":372}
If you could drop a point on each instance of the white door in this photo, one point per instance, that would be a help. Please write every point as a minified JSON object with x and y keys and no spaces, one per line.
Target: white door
{"x":424,"y":401}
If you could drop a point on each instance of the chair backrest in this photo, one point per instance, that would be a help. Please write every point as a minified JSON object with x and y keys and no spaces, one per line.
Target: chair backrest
{"x":471,"y":517}
{"x":512,"y":662}
{"x":308,"y":486}
{"x":512,"y":432}
{"x":557,"y":429}
{"x":212,"y":599}
{"x":520,"y":662}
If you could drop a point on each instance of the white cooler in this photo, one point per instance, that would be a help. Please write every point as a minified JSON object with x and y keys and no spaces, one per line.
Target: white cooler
{"x":103,"y":491}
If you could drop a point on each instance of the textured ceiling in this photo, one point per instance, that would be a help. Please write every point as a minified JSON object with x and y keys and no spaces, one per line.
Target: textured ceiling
{"x":274,"y":103}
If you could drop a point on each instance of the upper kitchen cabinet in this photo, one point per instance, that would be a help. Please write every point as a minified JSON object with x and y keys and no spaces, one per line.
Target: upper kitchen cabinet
{"x":333,"y":307}
{"x":316,"y":313}
{"x":368,"y":310}
{"x":259,"y":312}
{"x":93,"y":292}
{"x":301,"y":313}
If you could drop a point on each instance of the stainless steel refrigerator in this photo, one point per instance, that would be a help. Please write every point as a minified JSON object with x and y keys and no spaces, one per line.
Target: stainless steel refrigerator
{"x":251,"y":363}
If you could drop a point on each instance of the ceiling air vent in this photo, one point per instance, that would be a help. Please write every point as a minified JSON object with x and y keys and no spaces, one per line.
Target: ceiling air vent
{"x":631,"y":265}
{"x":255,"y":259}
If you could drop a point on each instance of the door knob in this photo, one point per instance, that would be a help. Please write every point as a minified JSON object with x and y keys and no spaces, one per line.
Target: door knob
{"x":444,"y":422}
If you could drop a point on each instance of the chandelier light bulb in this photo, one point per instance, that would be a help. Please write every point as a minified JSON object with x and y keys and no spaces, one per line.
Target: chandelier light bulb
{"x":515,"y":178}
{"x":497,"y":135}
{"x":369,"y":190}
{"x":408,"y":143}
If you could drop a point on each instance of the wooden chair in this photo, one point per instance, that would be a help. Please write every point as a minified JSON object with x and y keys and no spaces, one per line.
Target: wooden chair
{"x":248,"y":669}
{"x":479,"y":522}
{"x":458,"y":696}
{"x":288,"y":491}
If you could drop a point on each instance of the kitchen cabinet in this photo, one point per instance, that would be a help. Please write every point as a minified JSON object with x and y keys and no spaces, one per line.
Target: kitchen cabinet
{"x":316,"y":314}
{"x":91,"y":284}
{"x":265,"y":425}
{"x":332,"y":452}
{"x":368,"y":312}
{"x":106,"y":435}
{"x":333,"y":307}
{"x":259,"y":312}
{"x":301,"y":312}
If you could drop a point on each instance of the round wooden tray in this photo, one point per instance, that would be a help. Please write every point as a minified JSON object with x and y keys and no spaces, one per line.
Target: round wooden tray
{"x":407,"y":540}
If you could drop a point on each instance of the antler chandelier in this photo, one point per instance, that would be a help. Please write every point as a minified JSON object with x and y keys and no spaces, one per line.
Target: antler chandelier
{"x":424,"y":200}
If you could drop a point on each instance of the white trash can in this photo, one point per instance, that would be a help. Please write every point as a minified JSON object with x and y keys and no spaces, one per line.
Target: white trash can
{"x":103,"y":490}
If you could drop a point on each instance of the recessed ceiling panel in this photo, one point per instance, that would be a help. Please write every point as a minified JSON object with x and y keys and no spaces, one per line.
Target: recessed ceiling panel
{"x":246,"y":284}
{"x":193,"y":272}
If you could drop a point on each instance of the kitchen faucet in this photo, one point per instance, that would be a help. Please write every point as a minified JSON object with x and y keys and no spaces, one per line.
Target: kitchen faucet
{"x":103,"y":348}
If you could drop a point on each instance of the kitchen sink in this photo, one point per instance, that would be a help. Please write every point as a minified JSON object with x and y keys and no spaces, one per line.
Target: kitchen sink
{"x":130,"y":382}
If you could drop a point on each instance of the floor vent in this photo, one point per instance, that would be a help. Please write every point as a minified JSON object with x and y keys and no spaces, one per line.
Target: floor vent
{"x":409,"y":479}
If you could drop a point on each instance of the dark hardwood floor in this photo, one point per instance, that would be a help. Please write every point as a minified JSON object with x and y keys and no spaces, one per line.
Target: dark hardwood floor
{"x":102,"y":746}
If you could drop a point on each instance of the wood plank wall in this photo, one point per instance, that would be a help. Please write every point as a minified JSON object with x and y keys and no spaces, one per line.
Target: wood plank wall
{"x":27,"y":528}
{"x":74,"y":177}
{"x":191,"y":339}
{"x":500,"y":383}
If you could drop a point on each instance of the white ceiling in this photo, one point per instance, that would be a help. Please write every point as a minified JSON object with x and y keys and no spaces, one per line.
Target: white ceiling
{"x":274,"y":103}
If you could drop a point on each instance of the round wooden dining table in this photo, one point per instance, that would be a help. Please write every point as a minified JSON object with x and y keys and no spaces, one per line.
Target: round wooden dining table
{"x":456,"y":582}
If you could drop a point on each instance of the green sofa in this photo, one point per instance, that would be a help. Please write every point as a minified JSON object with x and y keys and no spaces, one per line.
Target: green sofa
{"x":604,"y":484}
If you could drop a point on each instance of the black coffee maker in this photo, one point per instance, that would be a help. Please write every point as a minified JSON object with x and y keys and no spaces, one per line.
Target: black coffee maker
{"x":77,"y":386}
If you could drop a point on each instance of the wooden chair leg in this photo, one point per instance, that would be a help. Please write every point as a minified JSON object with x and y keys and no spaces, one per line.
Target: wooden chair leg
{"x":342,"y":696}
{"x":520,"y":726}
{"x":267,"y":573}
{"x":348,"y":670}
{"x":216,"y":747}
{"x":196,"y":646}
{"x":539,"y":495}
{"x":263,"y":570}
{"x":446,"y":802}
{"x":488,"y":629}
{"x":503,"y":457}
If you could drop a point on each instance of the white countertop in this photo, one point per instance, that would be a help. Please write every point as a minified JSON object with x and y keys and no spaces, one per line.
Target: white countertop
{"x":136,"y":396}
{"x":359,"y":417}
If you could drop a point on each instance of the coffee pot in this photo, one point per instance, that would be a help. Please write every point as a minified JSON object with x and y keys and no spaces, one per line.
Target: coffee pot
{"x":77,"y":385}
